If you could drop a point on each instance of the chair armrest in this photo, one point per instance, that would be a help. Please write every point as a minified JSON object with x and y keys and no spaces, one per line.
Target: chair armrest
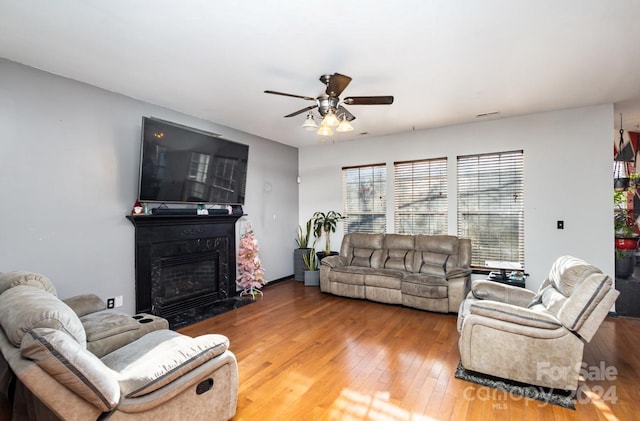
{"x":334,"y":261}
{"x":458,"y":273}
{"x":489,"y":290}
{"x":514,"y":314}
{"x":161,"y":357}
{"x":85,"y":304}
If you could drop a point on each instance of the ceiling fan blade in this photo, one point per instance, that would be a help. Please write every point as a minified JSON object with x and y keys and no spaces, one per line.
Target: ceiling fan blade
{"x":310,"y":107}
{"x":337,"y":84}
{"x":368,"y":100}
{"x":291,"y":95}
{"x":347,"y":114}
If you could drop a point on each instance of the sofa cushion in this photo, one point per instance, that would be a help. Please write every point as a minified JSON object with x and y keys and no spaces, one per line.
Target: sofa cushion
{"x":160,"y":357}
{"x":398,"y":259}
{"x":72,"y":366}
{"x":362,"y":257}
{"x":438,"y":250}
{"x":364,"y":240}
{"x":399,"y":242}
{"x":422,"y":285}
{"x":550,"y":299}
{"x":429,"y":263}
{"x":104,"y":324}
{"x":26,"y":307}
{"x":85,"y":304}
{"x":567,"y":271}
{"x":353,"y":275}
{"x":384,"y":278}
{"x":398,"y":251}
{"x":443,"y":244}
{"x":364,"y":250}
{"x":12,"y":279}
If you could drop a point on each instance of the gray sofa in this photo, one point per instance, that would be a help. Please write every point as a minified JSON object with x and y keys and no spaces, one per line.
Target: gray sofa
{"x":76,"y":360}
{"x":514,"y":333}
{"x":428,"y":272}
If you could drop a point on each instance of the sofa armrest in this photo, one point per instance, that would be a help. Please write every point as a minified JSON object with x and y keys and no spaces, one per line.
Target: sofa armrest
{"x":334,"y":261}
{"x":514,"y":314}
{"x":490,"y":290}
{"x":85,"y":304}
{"x":458,"y":273}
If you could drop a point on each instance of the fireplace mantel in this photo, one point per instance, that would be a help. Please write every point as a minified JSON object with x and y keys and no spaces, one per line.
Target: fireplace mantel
{"x":163,"y":220}
{"x":162,"y":239}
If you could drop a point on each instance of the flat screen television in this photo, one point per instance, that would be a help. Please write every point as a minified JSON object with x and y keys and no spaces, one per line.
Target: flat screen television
{"x":180,"y":164}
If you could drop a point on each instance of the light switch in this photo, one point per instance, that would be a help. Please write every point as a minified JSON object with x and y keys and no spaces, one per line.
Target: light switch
{"x":560,"y":225}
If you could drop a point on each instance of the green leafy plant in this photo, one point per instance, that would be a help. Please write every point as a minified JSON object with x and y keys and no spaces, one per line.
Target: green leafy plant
{"x":624,"y":222}
{"x":310,"y":260}
{"x":624,"y":254}
{"x":303,"y":237}
{"x":326,"y":222}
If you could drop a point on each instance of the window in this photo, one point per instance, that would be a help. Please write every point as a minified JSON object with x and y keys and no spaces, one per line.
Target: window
{"x":491,"y":206}
{"x":198,"y":173}
{"x":364,"y":196}
{"x":199,"y":166}
{"x":421,"y":196}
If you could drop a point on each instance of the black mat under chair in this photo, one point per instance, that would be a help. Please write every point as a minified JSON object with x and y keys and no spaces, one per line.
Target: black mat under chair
{"x":564,"y":398}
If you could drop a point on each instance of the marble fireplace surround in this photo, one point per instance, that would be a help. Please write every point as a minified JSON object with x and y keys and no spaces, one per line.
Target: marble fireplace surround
{"x":185,"y":265}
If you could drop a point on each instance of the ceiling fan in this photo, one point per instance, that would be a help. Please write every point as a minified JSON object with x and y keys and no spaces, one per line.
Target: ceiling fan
{"x":330,"y":106}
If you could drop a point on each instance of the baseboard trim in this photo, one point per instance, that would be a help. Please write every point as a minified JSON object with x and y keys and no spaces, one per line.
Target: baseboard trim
{"x":275,"y":281}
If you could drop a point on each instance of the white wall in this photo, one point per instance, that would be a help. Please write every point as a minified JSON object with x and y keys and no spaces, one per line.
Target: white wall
{"x":69,"y":156}
{"x":567,"y":176}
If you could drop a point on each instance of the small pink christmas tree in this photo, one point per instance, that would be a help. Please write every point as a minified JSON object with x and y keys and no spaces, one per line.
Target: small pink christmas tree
{"x":251,"y":273}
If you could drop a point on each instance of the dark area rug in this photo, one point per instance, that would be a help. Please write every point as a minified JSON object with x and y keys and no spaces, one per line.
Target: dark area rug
{"x":563,"y":398}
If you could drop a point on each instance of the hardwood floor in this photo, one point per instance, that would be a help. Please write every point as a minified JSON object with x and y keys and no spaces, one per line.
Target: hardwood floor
{"x":306,"y":355}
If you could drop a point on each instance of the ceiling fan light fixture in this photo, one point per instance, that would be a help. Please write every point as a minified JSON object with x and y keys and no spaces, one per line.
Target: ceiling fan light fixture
{"x":330,"y":119}
{"x":329,"y":106}
{"x":310,"y":123}
{"x":344,"y":125}
{"x":325,"y":131}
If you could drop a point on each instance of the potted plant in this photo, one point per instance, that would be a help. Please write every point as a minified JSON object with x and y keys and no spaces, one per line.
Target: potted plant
{"x":626,"y":240}
{"x":304,"y":236}
{"x":311,"y":272}
{"x":326,"y":222}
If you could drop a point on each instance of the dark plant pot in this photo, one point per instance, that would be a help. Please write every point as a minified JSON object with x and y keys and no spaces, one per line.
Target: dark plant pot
{"x":311,"y":278}
{"x":625,"y":265}
{"x":620,"y":184}
{"x":298,"y":263}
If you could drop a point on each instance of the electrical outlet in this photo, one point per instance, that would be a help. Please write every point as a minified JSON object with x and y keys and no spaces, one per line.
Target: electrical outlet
{"x":118,"y":301}
{"x":111,"y":302}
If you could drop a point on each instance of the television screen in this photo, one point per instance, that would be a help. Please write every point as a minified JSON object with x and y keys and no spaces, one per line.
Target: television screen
{"x":182,"y":164}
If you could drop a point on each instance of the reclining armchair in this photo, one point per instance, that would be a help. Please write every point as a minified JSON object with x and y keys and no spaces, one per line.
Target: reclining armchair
{"x":75,"y":360}
{"x":513,"y":333}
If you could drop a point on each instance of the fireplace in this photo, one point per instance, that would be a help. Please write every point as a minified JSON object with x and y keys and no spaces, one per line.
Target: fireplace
{"x":185,"y":266}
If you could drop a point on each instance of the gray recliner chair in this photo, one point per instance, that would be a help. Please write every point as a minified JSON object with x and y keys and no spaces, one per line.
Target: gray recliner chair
{"x":513,"y":333}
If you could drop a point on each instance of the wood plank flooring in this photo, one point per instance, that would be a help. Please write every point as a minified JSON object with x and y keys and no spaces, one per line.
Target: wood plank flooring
{"x":306,"y":355}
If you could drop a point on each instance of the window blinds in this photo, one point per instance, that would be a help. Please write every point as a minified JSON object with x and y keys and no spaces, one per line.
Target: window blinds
{"x":421,"y":196}
{"x":491,"y":206}
{"x":364,"y":197}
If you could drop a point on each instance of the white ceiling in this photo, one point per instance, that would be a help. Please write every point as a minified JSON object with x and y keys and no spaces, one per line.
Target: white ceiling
{"x":444,"y":61}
